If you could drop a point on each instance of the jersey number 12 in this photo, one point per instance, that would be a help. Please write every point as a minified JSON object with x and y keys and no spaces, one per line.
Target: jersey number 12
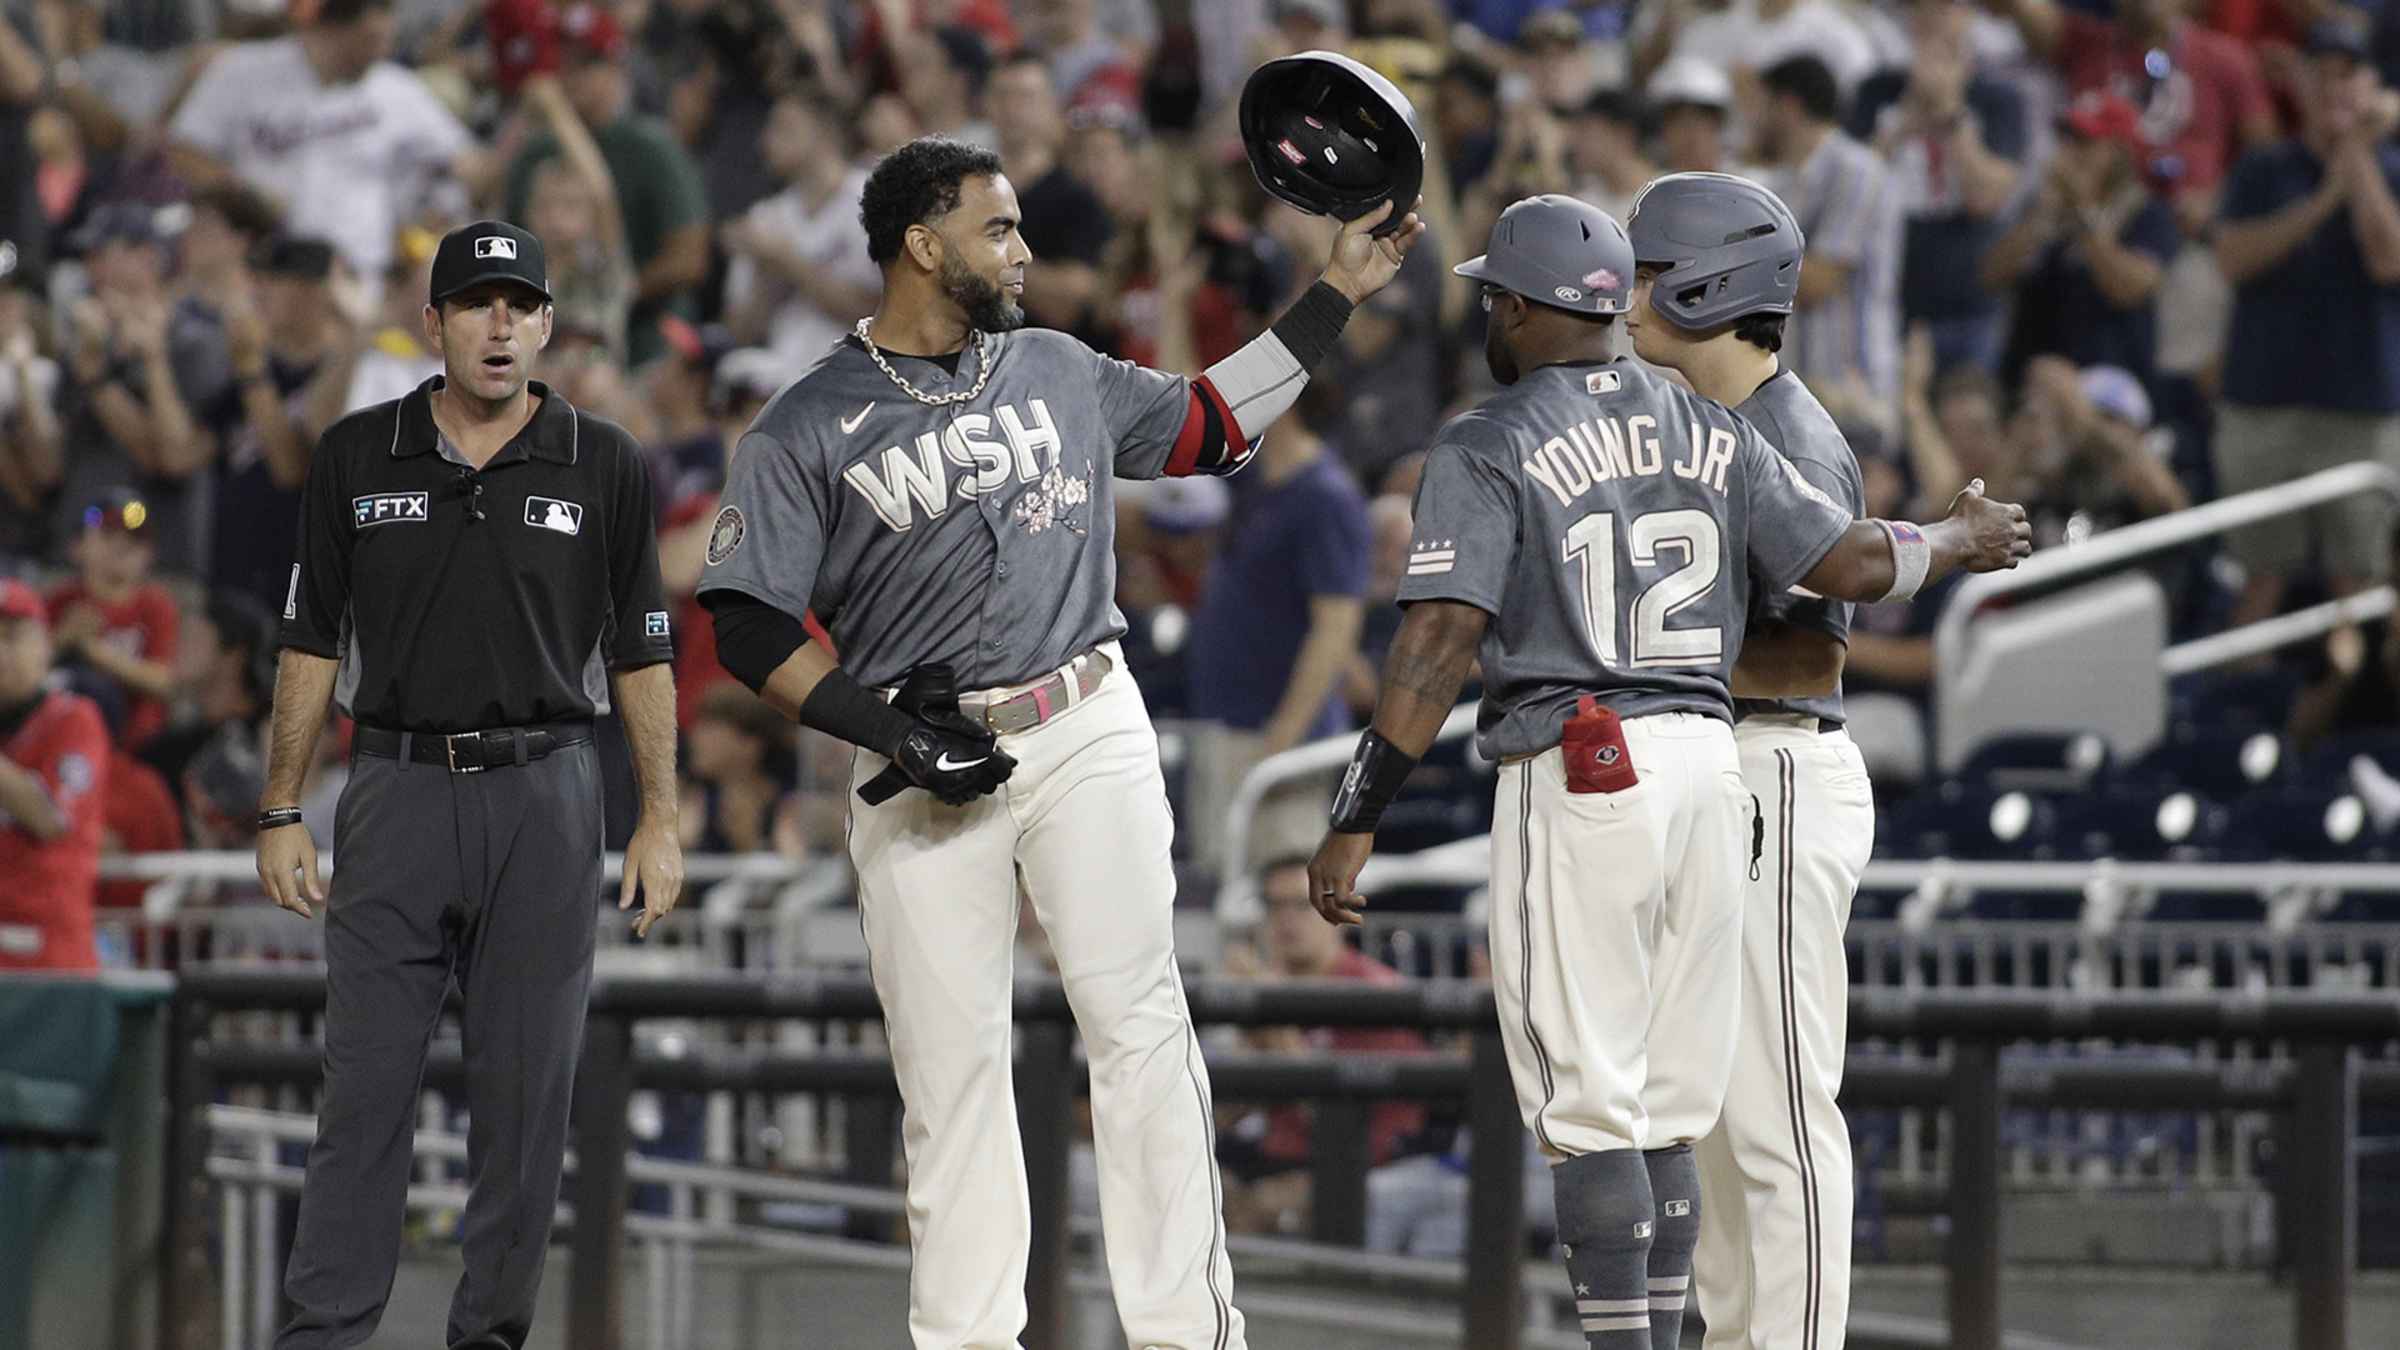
{"x":1592,"y":549}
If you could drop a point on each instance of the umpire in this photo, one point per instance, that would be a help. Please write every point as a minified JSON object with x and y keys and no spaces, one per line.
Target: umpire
{"x":478,"y":576}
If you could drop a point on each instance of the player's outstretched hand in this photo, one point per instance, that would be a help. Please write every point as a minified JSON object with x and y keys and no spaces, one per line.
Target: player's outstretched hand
{"x":1333,"y":872}
{"x":1998,"y":535}
{"x":955,"y":763}
{"x":287,"y":867}
{"x":1363,"y":264}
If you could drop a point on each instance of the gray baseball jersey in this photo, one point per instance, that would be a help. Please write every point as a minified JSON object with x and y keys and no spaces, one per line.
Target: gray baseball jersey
{"x":1609,"y":522}
{"x":980,"y":534}
{"x":1795,"y":423}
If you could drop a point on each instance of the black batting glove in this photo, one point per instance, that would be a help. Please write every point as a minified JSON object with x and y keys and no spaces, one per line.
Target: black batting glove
{"x":953,"y":758}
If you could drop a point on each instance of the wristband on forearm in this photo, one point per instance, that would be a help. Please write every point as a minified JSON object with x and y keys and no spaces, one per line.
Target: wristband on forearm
{"x":276,"y":817}
{"x":1376,"y":773}
{"x":1912,"y":558}
{"x":1311,"y":327}
{"x":841,"y":706}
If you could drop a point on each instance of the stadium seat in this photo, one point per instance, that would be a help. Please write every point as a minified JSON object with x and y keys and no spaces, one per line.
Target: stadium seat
{"x":2251,"y":699}
{"x":2144,"y":824}
{"x":2301,"y":825}
{"x":2046,"y":762}
{"x":2219,"y":758}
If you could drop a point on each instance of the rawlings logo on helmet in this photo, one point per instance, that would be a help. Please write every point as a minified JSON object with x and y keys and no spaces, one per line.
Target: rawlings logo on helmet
{"x":1568,"y":294}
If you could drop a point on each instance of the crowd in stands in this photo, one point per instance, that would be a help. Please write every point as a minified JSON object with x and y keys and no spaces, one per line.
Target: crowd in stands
{"x":2115,"y":257}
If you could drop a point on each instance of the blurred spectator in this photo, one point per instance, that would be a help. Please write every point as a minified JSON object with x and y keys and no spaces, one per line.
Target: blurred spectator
{"x":1064,"y":224}
{"x":1561,"y":60}
{"x":1302,"y":25}
{"x":1693,"y":102}
{"x":53,"y":769}
{"x":2200,"y":93}
{"x":278,"y":343}
{"x":347,"y":144}
{"x":1386,"y":379}
{"x":1390,"y":518}
{"x":800,"y":275}
{"x":2311,"y":242}
{"x":225,"y":674}
{"x":1183,"y":523}
{"x":942,"y":76}
{"x":111,"y":623}
{"x":740,"y":753}
{"x":1845,"y":328}
{"x":2083,"y":261}
{"x":1181,"y":285}
{"x":1954,"y":139}
{"x":387,"y":355}
{"x":572,"y":206}
{"x":1746,"y":37}
{"x":685,"y":442}
{"x":2112,"y":470}
{"x":727,"y":63}
{"x":744,"y":380}
{"x":30,"y":459}
{"x":132,"y":389}
{"x":658,"y":190}
{"x":1266,"y":1154}
{"x":1277,"y":627}
{"x":1466,"y":123}
{"x":138,"y":814}
{"x":1604,"y":152}
{"x":1085,"y":60}
{"x":2358,"y":689}
{"x":24,"y":75}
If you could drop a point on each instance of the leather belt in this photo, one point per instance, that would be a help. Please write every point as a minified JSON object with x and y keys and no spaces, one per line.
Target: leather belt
{"x":1012,"y":709}
{"x":472,"y":751}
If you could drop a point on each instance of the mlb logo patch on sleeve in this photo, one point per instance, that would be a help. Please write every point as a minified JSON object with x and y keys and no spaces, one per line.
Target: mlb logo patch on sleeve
{"x":550,"y":513}
{"x":654,"y":623}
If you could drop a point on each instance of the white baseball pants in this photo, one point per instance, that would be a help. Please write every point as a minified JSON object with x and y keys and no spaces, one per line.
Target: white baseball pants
{"x":1614,"y":933}
{"x":1772,"y":1271}
{"x":1085,"y":819}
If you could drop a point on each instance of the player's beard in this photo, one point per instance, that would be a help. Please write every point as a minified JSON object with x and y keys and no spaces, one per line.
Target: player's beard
{"x":987,"y":307}
{"x":1497,"y":357}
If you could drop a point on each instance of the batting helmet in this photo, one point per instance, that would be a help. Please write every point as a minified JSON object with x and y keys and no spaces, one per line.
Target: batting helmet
{"x":1560,"y":252}
{"x":1724,"y":248}
{"x":1332,"y":137}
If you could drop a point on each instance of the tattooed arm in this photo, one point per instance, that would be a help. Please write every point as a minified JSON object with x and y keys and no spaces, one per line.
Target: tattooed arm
{"x":1421,"y":678}
{"x":1424,"y":671}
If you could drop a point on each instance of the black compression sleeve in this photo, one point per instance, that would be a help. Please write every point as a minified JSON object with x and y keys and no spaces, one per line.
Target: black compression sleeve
{"x":754,"y":638}
{"x":841,"y":706}
{"x":1313,"y":324}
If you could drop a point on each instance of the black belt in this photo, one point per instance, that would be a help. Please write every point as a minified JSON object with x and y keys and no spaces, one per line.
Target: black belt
{"x":472,"y":751}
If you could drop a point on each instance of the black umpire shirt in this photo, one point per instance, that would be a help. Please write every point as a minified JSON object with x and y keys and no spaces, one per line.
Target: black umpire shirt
{"x":460,"y":599}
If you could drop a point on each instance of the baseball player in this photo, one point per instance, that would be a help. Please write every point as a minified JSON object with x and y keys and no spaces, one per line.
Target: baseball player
{"x":1590,"y":534}
{"x":937,"y":489}
{"x":1773,"y":1266}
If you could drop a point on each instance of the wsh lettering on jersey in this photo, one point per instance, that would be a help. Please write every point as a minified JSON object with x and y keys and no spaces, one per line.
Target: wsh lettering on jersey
{"x":1605,"y":449}
{"x":997,"y":448}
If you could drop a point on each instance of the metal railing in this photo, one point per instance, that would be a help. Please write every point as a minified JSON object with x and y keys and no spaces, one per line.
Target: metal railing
{"x":2113,"y":550}
{"x":2318,"y":1095}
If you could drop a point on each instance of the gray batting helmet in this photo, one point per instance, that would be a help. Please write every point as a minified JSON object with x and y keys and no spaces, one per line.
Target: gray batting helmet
{"x":1724,"y":248}
{"x":1559,"y":252}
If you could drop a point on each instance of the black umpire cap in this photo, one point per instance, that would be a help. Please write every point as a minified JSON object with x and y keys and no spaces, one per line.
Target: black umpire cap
{"x":488,"y":250}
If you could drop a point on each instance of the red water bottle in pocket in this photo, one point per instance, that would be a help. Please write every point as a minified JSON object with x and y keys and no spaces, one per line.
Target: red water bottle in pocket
{"x":1594,"y":746}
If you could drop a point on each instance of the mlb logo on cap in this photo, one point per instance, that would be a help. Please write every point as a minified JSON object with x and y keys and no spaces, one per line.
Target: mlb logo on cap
{"x":488,"y":251}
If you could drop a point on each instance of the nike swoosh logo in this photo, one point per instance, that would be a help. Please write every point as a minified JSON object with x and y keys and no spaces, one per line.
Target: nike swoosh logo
{"x":850,"y":423}
{"x":946,"y":765}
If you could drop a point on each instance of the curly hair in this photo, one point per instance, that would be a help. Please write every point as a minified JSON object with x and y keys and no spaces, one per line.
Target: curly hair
{"x":915,"y":184}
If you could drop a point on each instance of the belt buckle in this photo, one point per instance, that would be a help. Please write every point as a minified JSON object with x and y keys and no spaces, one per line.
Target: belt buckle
{"x":450,"y":747}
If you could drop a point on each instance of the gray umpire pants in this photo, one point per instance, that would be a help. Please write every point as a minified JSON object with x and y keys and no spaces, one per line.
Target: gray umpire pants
{"x":491,"y":879}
